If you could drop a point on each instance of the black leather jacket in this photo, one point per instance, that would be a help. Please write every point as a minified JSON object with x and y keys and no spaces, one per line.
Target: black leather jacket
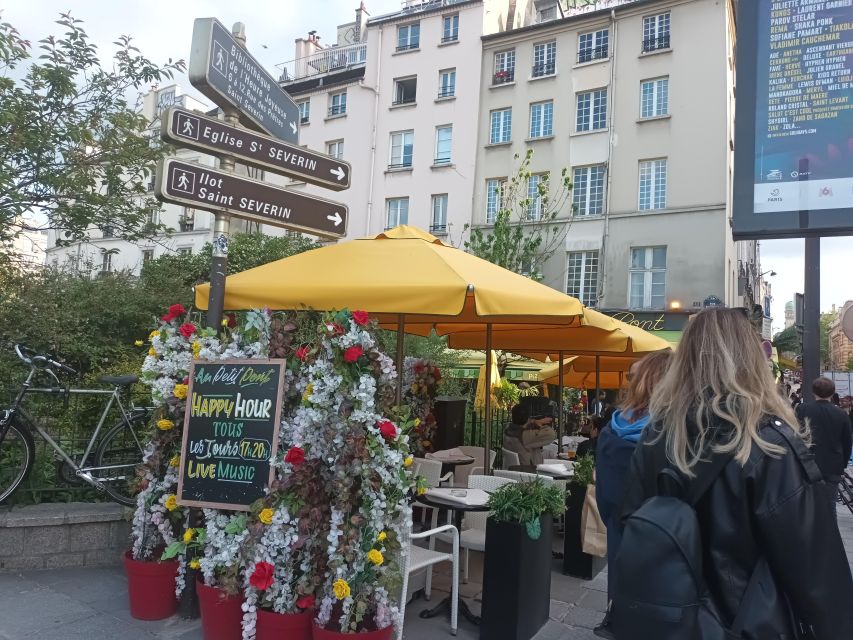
{"x":775,"y":508}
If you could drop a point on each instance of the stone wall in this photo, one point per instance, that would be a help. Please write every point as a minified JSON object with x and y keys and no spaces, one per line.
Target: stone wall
{"x":51,"y":536}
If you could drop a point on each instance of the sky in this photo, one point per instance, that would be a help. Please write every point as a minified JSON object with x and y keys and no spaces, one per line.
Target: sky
{"x":163,"y":30}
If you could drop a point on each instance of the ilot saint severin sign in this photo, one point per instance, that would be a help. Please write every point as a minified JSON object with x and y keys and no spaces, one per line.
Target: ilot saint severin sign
{"x":205,"y":188}
{"x":230,"y":432}
{"x":193,"y":130}
{"x":225,"y":72}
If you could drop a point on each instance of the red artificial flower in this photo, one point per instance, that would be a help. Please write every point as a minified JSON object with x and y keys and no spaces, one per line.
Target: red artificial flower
{"x":186,"y":380}
{"x":175,"y":311}
{"x":306,"y":602}
{"x":232,"y":320}
{"x":187,"y":330}
{"x":302,"y":353}
{"x":262,"y":576}
{"x":419,"y":367}
{"x":361,"y":318}
{"x":295,"y":456}
{"x":353,"y":353}
{"x":387,"y":429}
{"x":436,"y":374}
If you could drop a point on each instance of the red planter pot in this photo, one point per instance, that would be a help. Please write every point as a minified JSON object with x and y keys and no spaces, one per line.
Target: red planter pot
{"x":221,"y":614}
{"x":381,"y":634}
{"x":283,"y":626}
{"x":151,"y":588}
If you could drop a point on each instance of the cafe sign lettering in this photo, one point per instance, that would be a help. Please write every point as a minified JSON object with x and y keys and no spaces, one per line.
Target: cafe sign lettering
{"x":651,"y":321}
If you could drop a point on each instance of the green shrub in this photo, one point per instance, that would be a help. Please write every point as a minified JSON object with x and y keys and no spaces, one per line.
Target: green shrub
{"x":525,"y":502}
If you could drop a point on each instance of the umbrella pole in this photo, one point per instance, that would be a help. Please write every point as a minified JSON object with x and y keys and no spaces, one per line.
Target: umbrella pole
{"x":560,"y":407}
{"x":487,"y":470}
{"x":598,"y":382}
{"x":401,"y":324}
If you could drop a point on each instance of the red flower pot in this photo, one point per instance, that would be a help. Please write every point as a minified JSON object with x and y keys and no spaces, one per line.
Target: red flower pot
{"x":380,"y":634}
{"x":151,"y":588}
{"x":221,"y":614}
{"x":283,"y":626}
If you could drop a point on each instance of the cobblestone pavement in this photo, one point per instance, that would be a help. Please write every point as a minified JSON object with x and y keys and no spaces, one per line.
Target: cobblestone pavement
{"x":91,"y":604}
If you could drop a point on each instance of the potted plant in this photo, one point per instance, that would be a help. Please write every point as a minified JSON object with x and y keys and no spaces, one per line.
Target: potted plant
{"x":576,"y":563}
{"x":517,"y":568}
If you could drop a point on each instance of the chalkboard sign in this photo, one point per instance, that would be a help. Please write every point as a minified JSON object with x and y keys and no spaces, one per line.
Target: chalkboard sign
{"x":230,"y":432}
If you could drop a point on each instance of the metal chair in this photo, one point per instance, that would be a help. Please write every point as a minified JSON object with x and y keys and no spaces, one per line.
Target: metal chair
{"x":431,"y":472}
{"x":509,"y":458}
{"x":521,"y":476}
{"x":464,"y":470}
{"x":550,"y":450}
{"x":416,"y":558}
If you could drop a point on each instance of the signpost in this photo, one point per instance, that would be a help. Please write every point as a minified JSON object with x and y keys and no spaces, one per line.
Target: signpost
{"x":193,"y":130}
{"x":230,"y":432}
{"x":222,"y":69}
{"x":204,"y":188}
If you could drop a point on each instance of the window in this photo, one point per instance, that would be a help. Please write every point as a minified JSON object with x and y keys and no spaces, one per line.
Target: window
{"x":654,"y":98}
{"x":500,"y":128}
{"x":537,"y":194}
{"x":443,"y":144}
{"x":504,"y":67}
{"x":588,"y":190}
{"x":335,"y":148}
{"x":187,"y":220}
{"x":547,"y":14}
{"x":304,"y":111}
{"x":153,"y":217}
{"x":494,"y":198}
{"x":656,"y":32}
{"x":106,"y":261}
{"x":592,"y":110}
{"x":152,"y":180}
{"x":593,"y":46}
{"x":147,"y":254}
{"x":652,"y":184}
{"x":583,"y":277}
{"x":544,"y":59}
{"x":338,"y":104}
{"x":402,"y":145}
{"x":450,"y":28}
{"x":408,"y":36}
{"x":107,"y":232}
{"x":398,"y":211}
{"x":439,"y":214}
{"x":447,"y":83}
{"x":542,"y":119}
{"x":185,"y":251}
{"x":647,"y":286}
{"x":405,"y":90}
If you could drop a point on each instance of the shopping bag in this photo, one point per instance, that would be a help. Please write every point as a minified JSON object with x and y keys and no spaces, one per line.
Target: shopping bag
{"x":593,"y":531}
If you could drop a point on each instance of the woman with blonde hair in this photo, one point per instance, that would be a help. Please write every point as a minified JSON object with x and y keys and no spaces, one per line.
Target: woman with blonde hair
{"x":771,"y":563}
{"x":616,"y":444}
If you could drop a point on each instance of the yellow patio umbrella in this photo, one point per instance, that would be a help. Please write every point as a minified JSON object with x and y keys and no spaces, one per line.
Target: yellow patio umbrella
{"x":494,"y":382}
{"x":577,"y":378}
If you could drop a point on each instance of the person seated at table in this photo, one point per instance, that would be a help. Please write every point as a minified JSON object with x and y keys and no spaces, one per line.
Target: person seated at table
{"x":590,"y":431}
{"x":528,"y":433}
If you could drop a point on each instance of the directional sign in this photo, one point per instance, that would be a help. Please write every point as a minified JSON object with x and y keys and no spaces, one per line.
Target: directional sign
{"x":191,"y":129}
{"x":225,"y":72}
{"x":201,"y":187}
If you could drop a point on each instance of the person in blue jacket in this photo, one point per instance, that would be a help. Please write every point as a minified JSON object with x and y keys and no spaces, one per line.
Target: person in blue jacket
{"x":616,"y":444}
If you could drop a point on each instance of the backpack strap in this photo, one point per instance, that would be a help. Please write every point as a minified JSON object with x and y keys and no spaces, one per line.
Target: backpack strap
{"x":804,"y":456}
{"x":691,"y":490}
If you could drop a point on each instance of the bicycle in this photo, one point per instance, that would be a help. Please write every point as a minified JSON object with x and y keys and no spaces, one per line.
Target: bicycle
{"x":118,"y":453}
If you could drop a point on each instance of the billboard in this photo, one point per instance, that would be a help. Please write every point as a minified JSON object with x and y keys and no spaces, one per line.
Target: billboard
{"x":794,"y":119}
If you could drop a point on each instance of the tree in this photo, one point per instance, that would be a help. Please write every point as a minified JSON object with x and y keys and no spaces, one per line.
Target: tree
{"x":527,"y":228}
{"x":849,"y":364}
{"x":788,"y":341}
{"x":73,"y":154}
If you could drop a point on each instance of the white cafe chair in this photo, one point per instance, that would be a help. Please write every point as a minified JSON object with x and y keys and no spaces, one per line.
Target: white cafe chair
{"x":431,"y":472}
{"x":510,"y":458}
{"x":462,"y":471}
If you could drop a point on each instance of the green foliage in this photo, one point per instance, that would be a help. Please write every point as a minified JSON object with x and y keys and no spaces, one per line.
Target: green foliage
{"x":584,"y":471}
{"x":524,"y":502}
{"x":433,"y":348}
{"x":74,"y":153}
{"x":849,"y":363}
{"x":507,"y":394}
{"x":525,"y":233}
{"x":788,"y":341}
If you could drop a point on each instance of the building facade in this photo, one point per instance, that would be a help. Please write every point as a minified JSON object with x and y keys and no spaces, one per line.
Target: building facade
{"x":840,"y":346}
{"x":29,"y":246}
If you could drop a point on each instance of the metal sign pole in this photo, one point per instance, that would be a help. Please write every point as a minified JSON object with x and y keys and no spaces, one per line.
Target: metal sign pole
{"x":811,"y":317}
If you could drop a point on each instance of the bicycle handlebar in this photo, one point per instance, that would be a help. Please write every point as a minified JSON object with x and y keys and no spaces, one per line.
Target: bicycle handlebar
{"x":32,"y":358}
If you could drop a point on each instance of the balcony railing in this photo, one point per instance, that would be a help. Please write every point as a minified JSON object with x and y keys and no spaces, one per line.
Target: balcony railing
{"x":450,"y":38}
{"x":438,"y":229}
{"x":654,"y":44}
{"x":544,"y":69}
{"x":447,"y":92}
{"x":324,"y":61}
{"x":441,"y":161}
{"x":304,"y":119}
{"x":400,"y":165}
{"x":403,"y":100}
{"x":409,"y":46}
{"x":337,"y":110}
{"x":504,"y":76}
{"x":593,"y":53}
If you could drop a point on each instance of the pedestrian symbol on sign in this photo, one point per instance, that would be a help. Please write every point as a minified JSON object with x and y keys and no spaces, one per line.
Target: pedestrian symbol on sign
{"x":188,"y":126}
{"x":220,"y":59}
{"x":183,"y":181}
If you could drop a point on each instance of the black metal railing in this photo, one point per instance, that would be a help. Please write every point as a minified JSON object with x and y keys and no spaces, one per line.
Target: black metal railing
{"x":337,"y":110}
{"x":503,"y":77}
{"x":445,"y":160}
{"x":303,"y":120}
{"x":451,"y":38}
{"x":447,"y":92}
{"x":400,"y":165}
{"x":593,"y":53}
{"x":438,"y":228}
{"x":656,"y":43}
{"x":544,"y":69}
{"x":403,"y":100}
{"x":408,"y":47}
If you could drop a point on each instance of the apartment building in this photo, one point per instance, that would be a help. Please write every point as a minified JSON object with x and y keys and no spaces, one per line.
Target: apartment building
{"x":397,"y":97}
{"x":635,"y":100}
{"x":840,"y":346}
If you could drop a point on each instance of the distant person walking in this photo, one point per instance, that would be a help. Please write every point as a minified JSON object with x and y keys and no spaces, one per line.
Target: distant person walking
{"x":832,"y":433}
{"x":727,"y":529}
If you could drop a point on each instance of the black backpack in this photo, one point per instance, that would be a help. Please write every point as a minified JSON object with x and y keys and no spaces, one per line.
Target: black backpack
{"x":659,"y":590}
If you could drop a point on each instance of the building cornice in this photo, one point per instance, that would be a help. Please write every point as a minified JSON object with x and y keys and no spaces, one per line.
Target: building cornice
{"x":401,"y":17}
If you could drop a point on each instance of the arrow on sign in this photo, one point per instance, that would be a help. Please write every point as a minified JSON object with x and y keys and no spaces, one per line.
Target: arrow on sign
{"x":339,"y":173}
{"x":293,"y":127}
{"x":335,"y":218}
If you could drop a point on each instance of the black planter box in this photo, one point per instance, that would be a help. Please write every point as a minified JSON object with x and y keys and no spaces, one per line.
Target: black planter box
{"x":576,"y":563}
{"x":450,"y":417}
{"x":516,"y":581}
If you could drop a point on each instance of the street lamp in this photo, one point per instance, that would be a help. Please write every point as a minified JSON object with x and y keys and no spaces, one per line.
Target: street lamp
{"x":771,"y":272}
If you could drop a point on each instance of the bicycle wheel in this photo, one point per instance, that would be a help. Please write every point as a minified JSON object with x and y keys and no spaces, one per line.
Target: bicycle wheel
{"x":17,"y":452}
{"x":120,"y":450}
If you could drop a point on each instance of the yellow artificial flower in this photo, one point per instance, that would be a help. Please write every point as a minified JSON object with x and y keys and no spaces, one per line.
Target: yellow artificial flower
{"x":375,"y":556}
{"x":414,"y":388}
{"x":180,"y":391}
{"x":421,"y":491}
{"x":152,"y":352}
{"x":138,"y":343}
{"x":189,"y":534}
{"x":224,"y":322}
{"x":266,"y":515}
{"x":341,"y":589}
{"x":195,"y":564}
{"x":417,"y":422}
{"x":171,"y":502}
{"x":175,"y":461}
{"x":408,"y":461}
{"x":308,"y":391}
{"x":165,"y":424}
{"x":154,"y":334}
{"x":426,"y":444}
{"x":382,"y":537}
{"x":196,"y":348}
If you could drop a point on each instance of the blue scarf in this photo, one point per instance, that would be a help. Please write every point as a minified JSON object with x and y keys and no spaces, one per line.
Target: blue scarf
{"x":626,"y":428}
